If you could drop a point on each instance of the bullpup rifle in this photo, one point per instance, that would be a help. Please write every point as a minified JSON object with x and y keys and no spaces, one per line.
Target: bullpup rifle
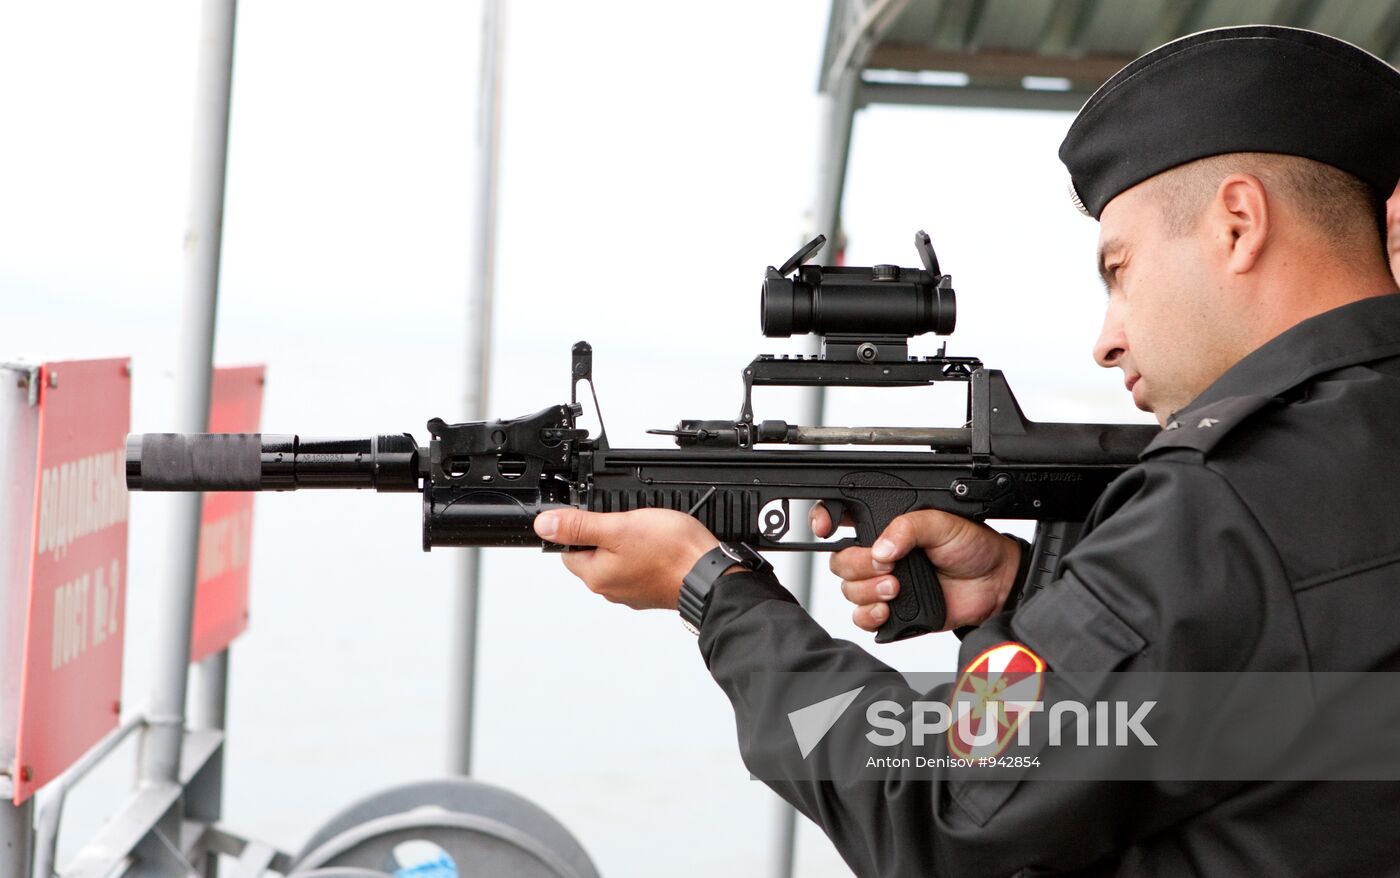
{"x":483,"y":482}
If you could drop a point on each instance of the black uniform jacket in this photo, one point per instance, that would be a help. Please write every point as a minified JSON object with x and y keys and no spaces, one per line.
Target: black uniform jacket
{"x":1260,"y":531}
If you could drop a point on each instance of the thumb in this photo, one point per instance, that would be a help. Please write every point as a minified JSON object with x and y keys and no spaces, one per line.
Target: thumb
{"x":928,"y":528}
{"x":574,"y":527}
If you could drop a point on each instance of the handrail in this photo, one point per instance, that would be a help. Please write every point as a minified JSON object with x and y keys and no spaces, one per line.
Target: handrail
{"x":51,"y":811}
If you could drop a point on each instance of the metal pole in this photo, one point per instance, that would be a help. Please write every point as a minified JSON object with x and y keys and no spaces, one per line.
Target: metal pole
{"x":838,"y":116}
{"x":208,"y":703}
{"x":478,"y":360}
{"x":160,"y":746}
{"x":16,"y":834}
{"x":209,"y":692}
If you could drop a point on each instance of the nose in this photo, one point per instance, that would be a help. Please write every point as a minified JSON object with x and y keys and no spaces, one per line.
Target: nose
{"x":1112,"y":343}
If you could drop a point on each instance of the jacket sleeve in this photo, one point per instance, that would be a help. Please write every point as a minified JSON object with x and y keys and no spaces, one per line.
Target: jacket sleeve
{"x":1173,"y":574}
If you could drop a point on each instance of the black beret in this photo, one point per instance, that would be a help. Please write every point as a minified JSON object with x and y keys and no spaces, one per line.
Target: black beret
{"x":1259,"y":88}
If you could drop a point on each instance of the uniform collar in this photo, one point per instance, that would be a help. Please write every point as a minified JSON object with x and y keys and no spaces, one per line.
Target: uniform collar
{"x":1357,"y":332}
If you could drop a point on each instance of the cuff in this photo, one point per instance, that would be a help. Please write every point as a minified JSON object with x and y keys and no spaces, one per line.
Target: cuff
{"x":735,"y":594}
{"x":1018,"y":586}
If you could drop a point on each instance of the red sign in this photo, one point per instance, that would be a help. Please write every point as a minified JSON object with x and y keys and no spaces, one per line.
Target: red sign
{"x":71,"y":675}
{"x":226,"y":529}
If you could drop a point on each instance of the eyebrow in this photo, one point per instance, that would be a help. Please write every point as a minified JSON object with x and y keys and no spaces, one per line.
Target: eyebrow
{"x":1110,"y":246}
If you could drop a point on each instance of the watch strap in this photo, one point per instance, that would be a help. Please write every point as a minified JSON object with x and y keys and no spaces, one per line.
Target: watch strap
{"x":700,"y":581}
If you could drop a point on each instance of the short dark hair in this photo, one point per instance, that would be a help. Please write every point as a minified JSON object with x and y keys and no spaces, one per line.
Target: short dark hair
{"x":1343,"y":209}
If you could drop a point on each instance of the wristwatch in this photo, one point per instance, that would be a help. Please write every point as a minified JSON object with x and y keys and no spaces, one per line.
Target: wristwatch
{"x":695,"y":588}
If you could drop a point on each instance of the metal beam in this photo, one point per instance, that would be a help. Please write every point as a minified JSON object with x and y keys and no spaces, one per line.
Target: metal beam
{"x":254,"y":857}
{"x":955,"y":24}
{"x":174,"y":606}
{"x":840,"y":89}
{"x":1007,"y":98}
{"x":977,"y":24}
{"x":1086,"y":73}
{"x":1064,"y":32}
{"x":482,"y":279}
{"x":1299,"y":13}
{"x":1080,"y":37}
{"x":838,"y":118}
{"x":208,"y":709}
{"x":135,"y":821}
{"x":855,"y":44}
{"x":1176,"y":18}
{"x":16,"y":832}
{"x":1387,"y":38}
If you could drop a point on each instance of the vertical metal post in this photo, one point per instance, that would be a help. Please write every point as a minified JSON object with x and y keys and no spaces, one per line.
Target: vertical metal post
{"x":478,"y":362}
{"x":160,"y":746}
{"x":16,"y":833}
{"x":838,"y":116}
{"x":208,"y":700}
{"x":208,"y":703}
{"x":19,"y":459}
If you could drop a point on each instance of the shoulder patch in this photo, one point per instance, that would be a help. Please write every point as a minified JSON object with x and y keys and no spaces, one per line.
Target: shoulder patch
{"x":991,"y":699}
{"x":1202,"y":428}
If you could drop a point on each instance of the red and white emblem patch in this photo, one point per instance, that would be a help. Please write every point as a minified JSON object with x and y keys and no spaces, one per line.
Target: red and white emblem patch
{"x":991,"y":698}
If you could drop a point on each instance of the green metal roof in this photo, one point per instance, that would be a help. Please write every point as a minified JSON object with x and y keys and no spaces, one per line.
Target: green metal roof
{"x":1052,"y":54}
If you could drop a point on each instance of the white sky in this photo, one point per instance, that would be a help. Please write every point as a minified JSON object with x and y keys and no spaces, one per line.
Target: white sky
{"x":657,"y":156}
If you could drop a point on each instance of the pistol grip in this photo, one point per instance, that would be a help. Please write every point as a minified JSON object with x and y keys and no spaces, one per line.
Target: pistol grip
{"x":876,"y":499}
{"x":918,"y":608}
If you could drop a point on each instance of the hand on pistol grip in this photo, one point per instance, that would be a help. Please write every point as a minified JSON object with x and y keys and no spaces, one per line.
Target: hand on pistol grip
{"x":917,"y":606}
{"x":974,"y":571}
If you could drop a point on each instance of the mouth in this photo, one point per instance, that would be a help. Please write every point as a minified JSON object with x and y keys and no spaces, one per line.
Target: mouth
{"x":1130,"y":382}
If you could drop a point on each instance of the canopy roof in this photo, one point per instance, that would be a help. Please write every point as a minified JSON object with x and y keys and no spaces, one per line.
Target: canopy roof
{"x":1051,"y":54}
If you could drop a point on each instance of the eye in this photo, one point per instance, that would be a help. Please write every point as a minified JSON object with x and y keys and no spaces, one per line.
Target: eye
{"x":1115,"y":273}
{"x":1110,"y":276}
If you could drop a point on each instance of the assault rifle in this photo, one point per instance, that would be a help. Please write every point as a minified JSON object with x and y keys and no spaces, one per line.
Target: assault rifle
{"x":483,"y":482}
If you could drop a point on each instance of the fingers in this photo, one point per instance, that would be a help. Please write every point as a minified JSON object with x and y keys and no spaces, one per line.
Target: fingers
{"x":820,"y":519}
{"x":870,"y":597}
{"x":856,"y":563}
{"x":871,"y":616}
{"x":870,"y":591}
{"x":598,"y":572}
{"x":575,"y":527}
{"x":580,"y":564}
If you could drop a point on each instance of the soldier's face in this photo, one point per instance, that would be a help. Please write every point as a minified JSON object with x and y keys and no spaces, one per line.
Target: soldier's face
{"x":1392,"y":213}
{"x":1167,"y":323}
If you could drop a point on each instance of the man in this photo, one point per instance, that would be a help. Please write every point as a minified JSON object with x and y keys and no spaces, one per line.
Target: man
{"x":1239,"y":178}
{"x":1392,"y":212}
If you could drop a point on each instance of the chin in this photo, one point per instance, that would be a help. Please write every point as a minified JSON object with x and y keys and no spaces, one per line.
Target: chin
{"x":1146,"y":406}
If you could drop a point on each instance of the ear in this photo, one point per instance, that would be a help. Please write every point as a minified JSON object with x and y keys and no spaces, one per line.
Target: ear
{"x":1241,"y":216}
